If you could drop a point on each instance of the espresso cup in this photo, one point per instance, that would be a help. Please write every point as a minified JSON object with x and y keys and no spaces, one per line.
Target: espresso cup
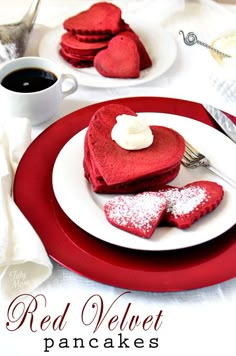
{"x":32,"y":87}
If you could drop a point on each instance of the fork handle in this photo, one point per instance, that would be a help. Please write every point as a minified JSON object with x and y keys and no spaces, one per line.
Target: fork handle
{"x":222,"y":175}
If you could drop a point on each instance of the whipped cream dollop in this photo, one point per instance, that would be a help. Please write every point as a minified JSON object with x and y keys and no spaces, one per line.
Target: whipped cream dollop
{"x":132,"y":132}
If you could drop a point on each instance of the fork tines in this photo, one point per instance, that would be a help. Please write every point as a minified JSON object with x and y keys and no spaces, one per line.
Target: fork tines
{"x":192,"y":158}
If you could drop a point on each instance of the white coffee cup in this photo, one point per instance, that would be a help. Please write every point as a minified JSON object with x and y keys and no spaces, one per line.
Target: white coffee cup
{"x":41,"y":105}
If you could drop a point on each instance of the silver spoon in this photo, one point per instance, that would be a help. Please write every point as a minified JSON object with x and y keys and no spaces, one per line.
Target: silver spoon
{"x":14,"y":37}
{"x":190,"y":39}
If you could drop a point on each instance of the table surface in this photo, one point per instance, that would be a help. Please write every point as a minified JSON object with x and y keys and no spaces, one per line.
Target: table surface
{"x":194,"y":322}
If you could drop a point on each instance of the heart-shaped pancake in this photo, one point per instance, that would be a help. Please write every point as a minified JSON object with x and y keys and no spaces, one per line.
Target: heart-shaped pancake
{"x":138,"y":215}
{"x":188,"y":204}
{"x":78,"y":61}
{"x":139,"y":185}
{"x":100,"y":18}
{"x":117,"y":165}
{"x":93,"y":38}
{"x":181,"y":207}
{"x":70,"y":43}
{"x":145,"y":60}
{"x":120,"y":59}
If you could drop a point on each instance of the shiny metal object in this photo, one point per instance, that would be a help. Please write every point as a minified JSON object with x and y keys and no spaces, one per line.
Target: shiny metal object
{"x":193,"y":159}
{"x":14,"y":37}
{"x":191,"y":38}
{"x":223,"y":121}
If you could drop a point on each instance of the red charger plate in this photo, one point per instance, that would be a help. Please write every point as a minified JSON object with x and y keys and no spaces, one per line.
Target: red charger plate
{"x":199,"y":266}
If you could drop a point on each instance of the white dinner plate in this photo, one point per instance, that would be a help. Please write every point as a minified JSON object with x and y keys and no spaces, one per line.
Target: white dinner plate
{"x":85,"y":208}
{"x":159,"y":43}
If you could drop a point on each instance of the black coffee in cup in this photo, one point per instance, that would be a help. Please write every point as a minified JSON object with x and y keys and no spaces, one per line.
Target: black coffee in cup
{"x":28,"y":80}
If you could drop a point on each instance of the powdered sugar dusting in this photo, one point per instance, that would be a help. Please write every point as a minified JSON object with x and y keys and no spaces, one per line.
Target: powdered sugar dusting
{"x":183,"y":201}
{"x":138,"y":214}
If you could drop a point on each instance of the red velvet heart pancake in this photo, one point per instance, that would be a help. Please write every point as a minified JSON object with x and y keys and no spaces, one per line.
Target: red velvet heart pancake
{"x":179,"y":207}
{"x":101,"y":18}
{"x":138,"y":215}
{"x":72,"y":45}
{"x":139,"y":185}
{"x":188,"y":204}
{"x":145,"y":60}
{"x":77,"y":61}
{"x":136,"y":186}
{"x":93,"y":38}
{"x":120,"y":59}
{"x":118,"y":166}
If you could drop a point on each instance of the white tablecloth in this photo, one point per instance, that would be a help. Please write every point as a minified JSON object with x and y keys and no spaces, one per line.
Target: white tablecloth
{"x":195,"y":322}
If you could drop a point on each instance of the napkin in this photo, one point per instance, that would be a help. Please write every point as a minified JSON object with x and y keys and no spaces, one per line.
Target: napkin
{"x":24,"y":263}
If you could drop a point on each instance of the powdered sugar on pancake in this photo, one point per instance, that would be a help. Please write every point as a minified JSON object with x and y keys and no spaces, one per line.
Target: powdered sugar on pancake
{"x":138,"y":214}
{"x":188,"y":204}
{"x":180,"y":202}
{"x":174,"y":206}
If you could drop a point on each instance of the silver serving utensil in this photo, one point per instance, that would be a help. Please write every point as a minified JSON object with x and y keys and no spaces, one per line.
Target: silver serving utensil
{"x":14,"y":37}
{"x":191,"y":38}
{"x":223,"y":121}
{"x":193,"y":159}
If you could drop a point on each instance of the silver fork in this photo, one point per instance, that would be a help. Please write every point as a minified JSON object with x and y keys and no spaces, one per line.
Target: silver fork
{"x":193,"y":159}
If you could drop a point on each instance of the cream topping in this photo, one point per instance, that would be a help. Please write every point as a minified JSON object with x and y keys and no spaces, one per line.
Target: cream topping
{"x":132,"y":132}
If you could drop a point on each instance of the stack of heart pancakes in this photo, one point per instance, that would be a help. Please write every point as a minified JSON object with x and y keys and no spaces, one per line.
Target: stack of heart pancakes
{"x":113,"y":169}
{"x":99,"y":37}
